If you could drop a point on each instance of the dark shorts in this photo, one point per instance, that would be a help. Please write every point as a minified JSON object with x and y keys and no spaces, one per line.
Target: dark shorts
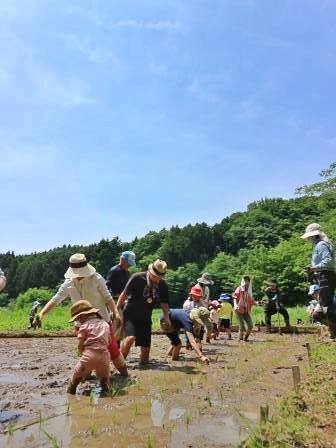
{"x":174,"y":338}
{"x":225,"y":323}
{"x":140,"y":329}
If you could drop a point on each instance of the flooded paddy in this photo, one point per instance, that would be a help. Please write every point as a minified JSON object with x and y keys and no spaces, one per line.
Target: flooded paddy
{"x":167,"y":404}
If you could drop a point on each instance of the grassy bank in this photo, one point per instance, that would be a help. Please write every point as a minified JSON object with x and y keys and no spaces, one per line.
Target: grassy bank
{"x":305,"y":419}
{"x":16,"y":319}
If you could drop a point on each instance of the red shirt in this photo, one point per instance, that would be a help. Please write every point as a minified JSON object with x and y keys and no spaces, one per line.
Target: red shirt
{"x":244,"y":300}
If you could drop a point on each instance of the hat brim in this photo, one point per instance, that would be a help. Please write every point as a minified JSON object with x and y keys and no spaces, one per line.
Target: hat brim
{"x":307,"y":235}
{"x":199,"y":296}
{"x":205,"y":282}
{"x":85,"y":271}
{"x":204,"y":323}
{"x":157,"y":274}
{"x":90,"y":311}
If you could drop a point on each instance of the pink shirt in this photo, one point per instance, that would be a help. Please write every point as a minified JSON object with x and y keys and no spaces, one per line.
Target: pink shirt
{"x":96,"y":334}
{"x":244,"y":300}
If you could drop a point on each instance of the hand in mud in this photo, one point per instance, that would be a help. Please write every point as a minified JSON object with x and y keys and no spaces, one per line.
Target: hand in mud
{"x":37,"y":322}
{"x":205,"y":359}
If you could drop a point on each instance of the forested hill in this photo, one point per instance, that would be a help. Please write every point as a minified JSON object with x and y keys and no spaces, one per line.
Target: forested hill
{"x":263,"y":241}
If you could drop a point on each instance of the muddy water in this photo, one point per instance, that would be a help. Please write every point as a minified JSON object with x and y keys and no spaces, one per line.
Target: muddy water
{"x":179,"y":404}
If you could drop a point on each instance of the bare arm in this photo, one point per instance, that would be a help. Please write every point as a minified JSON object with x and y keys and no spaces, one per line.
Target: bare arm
{"x":45,"y":310}
{"x":121,"y":299}
{"x":194,"y":345}
{"x":165,"y":311}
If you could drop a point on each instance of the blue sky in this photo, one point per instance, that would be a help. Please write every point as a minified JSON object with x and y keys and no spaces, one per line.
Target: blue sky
{"x":121,"y":117}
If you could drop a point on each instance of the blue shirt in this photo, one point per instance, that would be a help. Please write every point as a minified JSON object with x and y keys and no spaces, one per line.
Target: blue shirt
{"x":323,"y":257}
{"x":180,"y":319}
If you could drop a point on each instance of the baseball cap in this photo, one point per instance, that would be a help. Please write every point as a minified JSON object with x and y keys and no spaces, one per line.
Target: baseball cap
{"x":313,"y":289}
{"x":223,"y":297}
{"x":128,"y":256}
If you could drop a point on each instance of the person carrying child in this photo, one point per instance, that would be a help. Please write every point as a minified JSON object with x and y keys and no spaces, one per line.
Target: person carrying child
{"x":32,"y":315}
{"x":93,"y":345}
{"x":243,"y":302}
{"x":225,"y":314}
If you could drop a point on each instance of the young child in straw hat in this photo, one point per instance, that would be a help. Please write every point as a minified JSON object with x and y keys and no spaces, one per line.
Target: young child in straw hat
{"x":93,"y":345}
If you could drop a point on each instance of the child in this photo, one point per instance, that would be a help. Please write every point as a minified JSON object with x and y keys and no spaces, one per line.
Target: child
{"x":32,"y":315}
{"x":315,"y":310}
{"x":213,"y":308}
{"x":93,"y":345}
{"x":225,"y":313}
{"x":194,"y":299}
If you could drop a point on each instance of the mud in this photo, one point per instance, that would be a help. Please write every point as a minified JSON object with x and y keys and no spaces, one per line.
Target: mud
{"x":168,"y":404}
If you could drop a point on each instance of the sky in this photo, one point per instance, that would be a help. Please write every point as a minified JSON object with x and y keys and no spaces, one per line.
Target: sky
{"x":117,"y":118}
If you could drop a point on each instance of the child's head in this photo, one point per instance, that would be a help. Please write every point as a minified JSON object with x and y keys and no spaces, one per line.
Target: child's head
{"x":314,"y":291}
{"x":246,"y":281}
{"x":81,"y":310}
{"x":195,"y":293}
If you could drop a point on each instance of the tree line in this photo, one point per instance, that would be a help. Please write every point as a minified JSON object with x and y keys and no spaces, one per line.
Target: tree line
{"x":262,"y":241}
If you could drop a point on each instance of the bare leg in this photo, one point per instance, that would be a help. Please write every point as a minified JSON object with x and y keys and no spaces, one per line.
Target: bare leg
{"x":144,"y":355}
{"x":126,"y":345}
{"x":120,"y":365}
{"x":170,"y":351}
{"x":176,"y":351}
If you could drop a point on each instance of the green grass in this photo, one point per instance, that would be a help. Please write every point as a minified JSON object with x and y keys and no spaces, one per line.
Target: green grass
{"x":304,"y":418}
{"x":16,"y":319}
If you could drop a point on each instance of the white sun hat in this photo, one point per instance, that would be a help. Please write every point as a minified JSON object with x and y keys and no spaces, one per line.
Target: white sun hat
{"x":312,"y":230}
{"x":79,"y":267}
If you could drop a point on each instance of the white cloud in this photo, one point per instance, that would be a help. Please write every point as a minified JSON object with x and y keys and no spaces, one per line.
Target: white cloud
{"x":84,"y":46}
{"x":159,"y":25}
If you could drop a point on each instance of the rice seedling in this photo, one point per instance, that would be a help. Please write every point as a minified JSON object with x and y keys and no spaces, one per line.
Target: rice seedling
{"x":187,"y":418}
{"x":67,"y":408}
{"x":92,"y":397}
{"x":149,"y":443}
{"x":93,"y":429}
{"x":221,"y":395}
{"x":208,"y":399}
{"x":54,"y":443}
{"x":113,"y":391}
{"x":136,"y":411}
{"x":10,"y":428}
{"x":40,"y":418}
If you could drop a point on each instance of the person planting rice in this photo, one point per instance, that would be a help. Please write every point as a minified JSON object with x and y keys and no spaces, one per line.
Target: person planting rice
{"x":274,"y":305}
{"x":317,"y":313}
{"x":143,"y":291}
{"x":195,"y":299}
{"x":2,"y":280}
{"x":93,"y":345}
{"x":322,"y":271}
{"x":225,"y":313}
{"x":116,"y":281}
{"x":82,"y":282}
{"x":193,"y":324}
{"x":243,"y":302}
{"x":214,"y":308}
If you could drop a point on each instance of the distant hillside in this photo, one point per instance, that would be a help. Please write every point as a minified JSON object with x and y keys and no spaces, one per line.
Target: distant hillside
{"x":262,"y":241}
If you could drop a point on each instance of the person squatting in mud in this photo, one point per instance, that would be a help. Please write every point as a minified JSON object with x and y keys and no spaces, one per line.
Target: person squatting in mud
{"x":143,"y":291}
{"x":82,"y":282}
{"x":93,"y":345}
{"x":243,"y":302}
{"x":193,"y":324}
{"x":322,"y":271}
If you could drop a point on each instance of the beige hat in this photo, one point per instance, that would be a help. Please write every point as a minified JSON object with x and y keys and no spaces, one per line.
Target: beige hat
{"x":201,"y":315}
{"x":81,"y":307}
{"x":79,"y":267}
{"x":311,"y":230}
{"x":158,"y":268}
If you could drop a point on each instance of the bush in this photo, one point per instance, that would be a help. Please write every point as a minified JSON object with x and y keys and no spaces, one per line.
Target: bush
{"x":43,"y":295}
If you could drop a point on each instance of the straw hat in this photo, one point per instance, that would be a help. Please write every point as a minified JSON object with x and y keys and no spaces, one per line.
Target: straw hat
{"x":201,"y":315}
{"x":205,"y":279}
{"x":158,"y":268}
{"x":79,"y":267}
{"x":311,"y":230}
{"x":81,"y":307}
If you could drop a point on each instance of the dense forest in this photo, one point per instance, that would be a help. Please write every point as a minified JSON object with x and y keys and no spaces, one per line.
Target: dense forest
{"x":262,"y":241}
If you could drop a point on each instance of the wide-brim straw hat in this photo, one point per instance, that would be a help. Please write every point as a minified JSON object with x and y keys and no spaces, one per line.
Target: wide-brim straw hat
{"x":79,"y":267}
{"x":202,"y":317}
{"x":311,"y":230}
{"x":205,"y":279}
{"x":80,"y":308}
{"x":158,"y":268}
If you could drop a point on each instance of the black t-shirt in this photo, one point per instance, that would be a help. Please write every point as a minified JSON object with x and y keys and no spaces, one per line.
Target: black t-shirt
{"x":271,"y":293}
{"x":117,"y":279}
{"x":142,"y":298}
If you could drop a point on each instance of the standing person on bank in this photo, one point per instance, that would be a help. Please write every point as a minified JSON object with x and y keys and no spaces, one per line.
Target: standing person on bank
{"x":243,"y":302}
{"x":2,"y":280}
{"x":82,"y":282}
{"x":322,"y":271}
{"x":116,"y":281}
{"x":143,"y":291}
{"x":274,"y":304}
{"x":204,"y":282}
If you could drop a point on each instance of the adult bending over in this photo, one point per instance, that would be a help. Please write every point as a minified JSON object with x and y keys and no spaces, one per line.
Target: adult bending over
{"x":144,"y":290}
